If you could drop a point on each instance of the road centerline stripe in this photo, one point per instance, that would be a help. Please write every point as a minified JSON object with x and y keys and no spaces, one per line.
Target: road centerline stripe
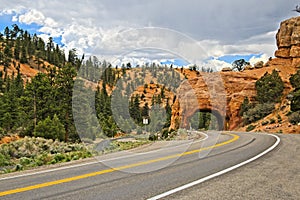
{"x":95,"y":162}
{"x":74,"y":178}
{"x":191,"y":184}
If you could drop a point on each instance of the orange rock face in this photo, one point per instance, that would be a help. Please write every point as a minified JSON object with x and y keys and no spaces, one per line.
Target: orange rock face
{"x":288,"y":40}
{"x":8,"y":139}
{"x":223,"y":92}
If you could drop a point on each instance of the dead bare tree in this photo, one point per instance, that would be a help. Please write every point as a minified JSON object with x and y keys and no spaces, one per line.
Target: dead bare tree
{"x":297,"y":9}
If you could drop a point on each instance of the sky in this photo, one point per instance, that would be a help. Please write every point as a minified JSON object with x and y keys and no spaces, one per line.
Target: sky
{"x":207,"y":33}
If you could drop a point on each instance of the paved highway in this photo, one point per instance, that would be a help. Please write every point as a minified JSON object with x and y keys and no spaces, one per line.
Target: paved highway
{"x":138,"y":174}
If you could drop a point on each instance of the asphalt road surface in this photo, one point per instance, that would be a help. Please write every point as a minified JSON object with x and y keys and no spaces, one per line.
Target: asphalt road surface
{"x":138,"y":174}
{"x":275,"y":176}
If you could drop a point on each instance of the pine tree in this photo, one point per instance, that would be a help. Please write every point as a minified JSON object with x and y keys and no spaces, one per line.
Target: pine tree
{"x":169,"y":114}
{"x":50,"y":129}
{"x":17,"y":87}
{"x":201,"y":120}
{"x":295,"y":101}
{"x":50,"y":46}
{"x":17,"y":49}
{"x":23,"y":55}
{"x":269,"y":88}
{"x":153,"y":100}
{"x":145,"y":111}
{"x":1,"y":81}
{"x":15,"y":31}
{"x":134,"y":109}
{"x":39,"y":99}
{"x":7,"y":51}
{"x":65,"y":83}
{"x":7,"y":122}
{"x":162,"y":92}
{"x":245,"y":106}
{"x":6,"y":33}
{"x":10,"y":107}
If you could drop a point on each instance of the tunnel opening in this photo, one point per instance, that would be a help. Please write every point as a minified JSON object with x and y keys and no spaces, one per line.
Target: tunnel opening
{"x":206,"y":120}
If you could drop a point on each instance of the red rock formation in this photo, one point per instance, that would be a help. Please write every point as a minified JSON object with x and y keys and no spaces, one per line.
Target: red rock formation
{"x":288,"y":41}
{"x":223,"y":92}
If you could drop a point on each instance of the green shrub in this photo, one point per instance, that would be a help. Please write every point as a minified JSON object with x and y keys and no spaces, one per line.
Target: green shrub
{"x":165,"y":133}
{"x":245,"y":106}
{"x":50,"y":129}
{"x":289,"y":113}
{"x":19,"y":167}
{"x":272,"y":121}
{"x":294,"y":118}
{"x":4,"y":160}
{"x":172,"y":134}
{"x":269,"y":88}
{"x":139,"y":131}
{"x":295,"y":80}
{"x":279,"y":119}
{"x":152,"y":137}
{"x":25,"y":161}
{"x":264,"y":123}
{"x":43,"y":159}
{"x":87,"y":140}
{"x":59,"y":157}
{"x":31,"y":152}
{"x":258,"y":112}
{"x":250,"y":128}
{"x":182,"y":131}
{"x":295,"y":103}
{"x":2,"y":133}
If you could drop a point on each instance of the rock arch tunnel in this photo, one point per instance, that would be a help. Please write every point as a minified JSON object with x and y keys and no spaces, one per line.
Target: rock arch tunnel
{"x":214,"y":114}
{"x":205,"y":93}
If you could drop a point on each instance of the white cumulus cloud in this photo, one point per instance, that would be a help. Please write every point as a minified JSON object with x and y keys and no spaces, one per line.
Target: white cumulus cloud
{"x":115,"y":28}
{"x":254,"y":60}
{"x":217,"y":65}
{"x":32,"y":16}
{"x":10,"y":11}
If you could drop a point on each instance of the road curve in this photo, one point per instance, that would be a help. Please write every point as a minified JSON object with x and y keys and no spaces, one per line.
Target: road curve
{"x":139,"y":175}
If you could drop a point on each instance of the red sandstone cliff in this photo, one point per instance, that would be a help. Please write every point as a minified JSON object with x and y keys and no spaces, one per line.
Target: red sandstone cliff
{"x":225,"y":91}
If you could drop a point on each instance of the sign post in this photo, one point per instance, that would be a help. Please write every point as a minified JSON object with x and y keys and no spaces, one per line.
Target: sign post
{"x":145,"y":122}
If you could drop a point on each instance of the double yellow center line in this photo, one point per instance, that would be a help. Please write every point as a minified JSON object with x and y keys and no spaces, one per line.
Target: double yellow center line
{"x":74,"y":178}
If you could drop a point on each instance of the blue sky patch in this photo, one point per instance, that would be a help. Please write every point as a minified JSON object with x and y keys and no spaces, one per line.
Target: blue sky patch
{"x":177,"y":62}
{"x":231,"y":58}
{"x":57,"y":40}
{"x":6,"y":21}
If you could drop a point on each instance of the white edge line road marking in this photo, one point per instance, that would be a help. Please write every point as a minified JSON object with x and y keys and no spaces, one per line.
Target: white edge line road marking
{"x":218,"y":173}
{"x":94,"y":162}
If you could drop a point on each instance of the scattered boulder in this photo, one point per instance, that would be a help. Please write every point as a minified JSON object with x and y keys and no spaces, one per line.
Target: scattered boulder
{"x":226,"y":69}
{"x":249,"y":67}
{"x":259,"y":64}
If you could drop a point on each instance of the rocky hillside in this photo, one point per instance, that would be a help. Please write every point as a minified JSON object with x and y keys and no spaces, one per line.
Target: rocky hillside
{"x":28,"y":70}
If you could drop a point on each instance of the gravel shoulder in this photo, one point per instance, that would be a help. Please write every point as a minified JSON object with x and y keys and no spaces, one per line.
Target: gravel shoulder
{"x":274,"y":176}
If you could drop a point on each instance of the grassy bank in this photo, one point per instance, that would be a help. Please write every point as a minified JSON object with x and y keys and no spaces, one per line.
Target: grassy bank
{"x":29,"y":152}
